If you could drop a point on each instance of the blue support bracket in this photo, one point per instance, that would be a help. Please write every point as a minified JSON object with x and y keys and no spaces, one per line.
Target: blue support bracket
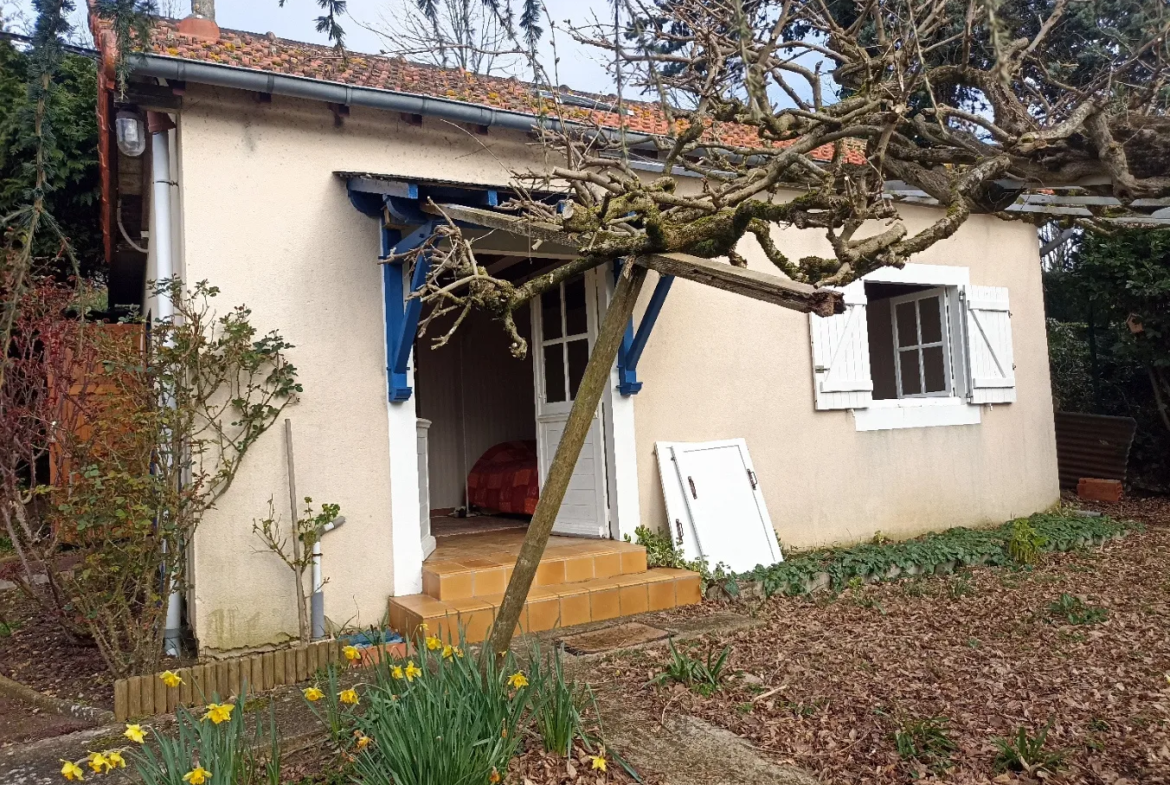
{"x":402,"y":313}
{"x":633,"y":343}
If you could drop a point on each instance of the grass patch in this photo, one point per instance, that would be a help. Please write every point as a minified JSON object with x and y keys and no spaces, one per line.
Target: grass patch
{"x":926,"y":741}
{"x":702,"y":676}
{"x":938,"y":552}
{"x":1073,"y":610}
{"x":1027,"y":753}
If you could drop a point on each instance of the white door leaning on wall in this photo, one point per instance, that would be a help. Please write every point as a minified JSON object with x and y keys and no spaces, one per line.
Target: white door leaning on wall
{"x":715,"y":506}
{"x":564,"y":327}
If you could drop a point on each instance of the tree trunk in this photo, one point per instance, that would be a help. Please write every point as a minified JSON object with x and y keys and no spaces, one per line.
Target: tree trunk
{"x":605,"y":349}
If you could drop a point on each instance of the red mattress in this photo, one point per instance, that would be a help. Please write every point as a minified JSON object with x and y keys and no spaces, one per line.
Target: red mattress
{"x":505,"y":479}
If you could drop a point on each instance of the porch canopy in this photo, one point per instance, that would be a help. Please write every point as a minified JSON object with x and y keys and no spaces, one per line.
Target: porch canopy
{"x":411,"y":209}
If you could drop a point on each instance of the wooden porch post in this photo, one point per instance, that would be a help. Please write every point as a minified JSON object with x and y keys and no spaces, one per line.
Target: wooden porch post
{"x":605,"y":350}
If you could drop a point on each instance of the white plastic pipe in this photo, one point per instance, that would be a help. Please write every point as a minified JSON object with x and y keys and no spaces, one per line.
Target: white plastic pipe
{"x":317,"y":602}
{"x":164,"y":268}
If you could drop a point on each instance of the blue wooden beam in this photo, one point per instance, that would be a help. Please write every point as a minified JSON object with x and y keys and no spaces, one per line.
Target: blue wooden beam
{"x":402,"y":314}
{"x":628,"y":383}
{"x":632,"y":345}
{"x":648,"y":319}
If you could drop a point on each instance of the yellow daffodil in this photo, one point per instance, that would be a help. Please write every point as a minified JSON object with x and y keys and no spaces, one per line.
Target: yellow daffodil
{"x":433,"y":643}
{"x":363,"y":740}
{"x":71,"y":771}
{"x":171,"y":679}
{"x":219,"y":712}
{"x":396,"y":671}
{"x":349,"y":696}
{"x":495,"y":777}
{"x":423,"y":627}
{"x":448,"y":651}
{"x":313,"y":694}
{"x":99,"y":763}
{"x":599,"y":762}
{"x":116,"y":760}
{"x":412,"y":671}
{"x":459,"y":652}
{"x":518,"y":680}
{"x":135,"y":733}
{"x":351,"y":653}
{"x":196,"y":776}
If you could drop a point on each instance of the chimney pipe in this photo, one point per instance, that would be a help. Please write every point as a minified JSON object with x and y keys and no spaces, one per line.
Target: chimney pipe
{"x":201,"y":23}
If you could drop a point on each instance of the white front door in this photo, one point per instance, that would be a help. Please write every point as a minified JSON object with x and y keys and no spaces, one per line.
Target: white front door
{"x":563,"y":330}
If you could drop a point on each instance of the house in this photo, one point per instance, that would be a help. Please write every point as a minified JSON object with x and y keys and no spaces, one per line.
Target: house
{"x":283,"y":175}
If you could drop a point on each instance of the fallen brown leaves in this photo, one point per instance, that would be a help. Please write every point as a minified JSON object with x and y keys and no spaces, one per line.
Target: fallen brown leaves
{"x":534,"y":766}
{"x":825,"y":684}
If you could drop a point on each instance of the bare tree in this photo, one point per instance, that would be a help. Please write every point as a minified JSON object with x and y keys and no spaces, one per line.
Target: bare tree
{"x":466,"y":34}
{"x":800,"y":113}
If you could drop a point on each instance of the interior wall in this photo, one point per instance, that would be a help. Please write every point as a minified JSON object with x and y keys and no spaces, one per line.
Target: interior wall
{"x":476,"y":395}
{"x":881,"y":348}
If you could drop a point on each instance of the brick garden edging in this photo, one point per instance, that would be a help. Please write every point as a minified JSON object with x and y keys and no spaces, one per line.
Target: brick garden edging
{"x":141,"y":696}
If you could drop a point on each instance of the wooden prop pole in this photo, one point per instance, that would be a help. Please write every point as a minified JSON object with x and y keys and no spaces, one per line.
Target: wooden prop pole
{"x":597,"y":374}
{"x":299,"y":573}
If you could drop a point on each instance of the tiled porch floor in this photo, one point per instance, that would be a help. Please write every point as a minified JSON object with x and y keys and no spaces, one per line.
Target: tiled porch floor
{"x":578,"y":581}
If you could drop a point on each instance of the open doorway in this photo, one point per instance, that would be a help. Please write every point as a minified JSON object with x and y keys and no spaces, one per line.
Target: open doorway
{"x":481,"y":437}
{"x":493,"y":421}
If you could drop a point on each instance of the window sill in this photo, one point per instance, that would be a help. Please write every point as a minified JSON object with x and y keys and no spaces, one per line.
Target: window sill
{"x":916,"y":413}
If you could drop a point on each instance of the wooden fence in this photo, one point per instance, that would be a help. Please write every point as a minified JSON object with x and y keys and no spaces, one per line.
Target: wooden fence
{"x":141,"y":696}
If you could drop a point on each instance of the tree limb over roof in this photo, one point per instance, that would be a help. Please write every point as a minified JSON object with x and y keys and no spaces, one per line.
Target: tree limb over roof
{"x":750,"y":283}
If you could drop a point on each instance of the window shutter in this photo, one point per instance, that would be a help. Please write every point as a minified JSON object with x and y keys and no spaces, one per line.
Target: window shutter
{"x":840,"y":354}
{"x":988,"y":325}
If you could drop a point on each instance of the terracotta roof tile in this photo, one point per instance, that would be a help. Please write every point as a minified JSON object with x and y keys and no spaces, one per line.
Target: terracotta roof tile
{"x":278,"y":55}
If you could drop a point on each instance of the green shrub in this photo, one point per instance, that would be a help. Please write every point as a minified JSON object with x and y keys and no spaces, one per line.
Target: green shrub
{"x":1074,"y":611}
{"x":1026,"y":544}
{"x":1026,"y":753}
{"x":704,"y":677}
{"x":926,"y":741}
{"x":662,"y":552}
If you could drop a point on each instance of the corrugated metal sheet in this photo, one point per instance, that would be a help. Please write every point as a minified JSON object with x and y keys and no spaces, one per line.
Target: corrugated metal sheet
{"x":1092,"y":445}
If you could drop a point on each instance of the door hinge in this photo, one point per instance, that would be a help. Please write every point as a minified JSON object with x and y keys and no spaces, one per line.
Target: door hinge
{"x":691,"y":482}
{"x":752,"y":479}
{"x":678,"y":527}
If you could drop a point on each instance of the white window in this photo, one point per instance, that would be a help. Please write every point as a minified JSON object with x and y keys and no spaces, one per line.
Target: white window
{"x":915,"y":347}
{"x":921,"y":343}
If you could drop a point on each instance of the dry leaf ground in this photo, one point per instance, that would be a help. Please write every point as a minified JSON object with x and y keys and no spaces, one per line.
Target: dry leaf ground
{"x":826,"y":684}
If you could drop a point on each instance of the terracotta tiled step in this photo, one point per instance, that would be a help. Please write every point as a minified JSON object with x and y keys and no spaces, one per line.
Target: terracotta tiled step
{"x":558,"y":605}
{"x":450,"y":575}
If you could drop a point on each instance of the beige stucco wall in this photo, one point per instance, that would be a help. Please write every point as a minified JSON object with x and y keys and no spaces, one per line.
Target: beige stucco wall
{"x":719,"y":366}
{"x":265,"y":219}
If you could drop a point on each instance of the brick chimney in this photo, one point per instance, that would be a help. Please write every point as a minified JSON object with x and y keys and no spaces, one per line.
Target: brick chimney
{"x":201,"y":23}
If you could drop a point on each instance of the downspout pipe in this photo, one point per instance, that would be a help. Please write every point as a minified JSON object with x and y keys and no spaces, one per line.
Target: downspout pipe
{"x":160,"y":126}
{"x":317,"y":602}
{"x":162,"y":67}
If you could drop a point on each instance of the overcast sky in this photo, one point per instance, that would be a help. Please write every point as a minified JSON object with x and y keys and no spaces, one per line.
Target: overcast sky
{"x":579,"y":67}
